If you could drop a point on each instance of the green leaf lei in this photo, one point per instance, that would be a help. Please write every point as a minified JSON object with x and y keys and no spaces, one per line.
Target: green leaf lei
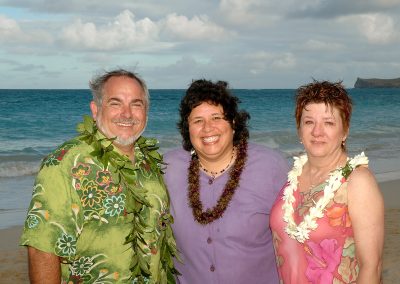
{"x":136,"y":198}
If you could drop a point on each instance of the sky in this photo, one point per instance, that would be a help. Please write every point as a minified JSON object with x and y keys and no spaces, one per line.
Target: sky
{"x":251,"y":44}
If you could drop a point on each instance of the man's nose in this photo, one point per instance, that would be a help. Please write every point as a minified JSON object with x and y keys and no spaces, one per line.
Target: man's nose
{"x":126,"y":111}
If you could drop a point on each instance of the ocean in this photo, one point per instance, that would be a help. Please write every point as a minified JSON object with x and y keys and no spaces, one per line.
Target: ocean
{"x":34,"y":122}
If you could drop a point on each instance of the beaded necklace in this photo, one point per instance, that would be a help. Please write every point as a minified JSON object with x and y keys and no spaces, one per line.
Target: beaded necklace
{"x":215,"y":174}
{"x":210,"y":215}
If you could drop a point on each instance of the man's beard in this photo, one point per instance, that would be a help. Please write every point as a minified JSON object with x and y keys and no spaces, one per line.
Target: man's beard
{"x":119,"y":140}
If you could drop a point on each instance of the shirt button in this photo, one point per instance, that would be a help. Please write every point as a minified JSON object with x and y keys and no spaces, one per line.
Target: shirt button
{"x":209,"y":240}
{"x":212,"y":268}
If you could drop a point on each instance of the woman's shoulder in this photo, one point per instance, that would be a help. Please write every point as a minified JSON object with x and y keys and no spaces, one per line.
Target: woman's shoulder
{"x":361,"y":174}
{"x":361,"y":182}
{"x":264,"y":152}
{"x":268,"y":159}
{"x":259,"y":148}
{"x":175,"y":152}
{"x":176,"y":156}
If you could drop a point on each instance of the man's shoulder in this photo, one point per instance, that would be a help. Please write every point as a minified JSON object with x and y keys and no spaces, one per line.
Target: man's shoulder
{"x":61,"y":153}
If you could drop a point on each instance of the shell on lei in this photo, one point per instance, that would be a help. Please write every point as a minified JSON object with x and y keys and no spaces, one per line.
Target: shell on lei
{"x":301,"y":231}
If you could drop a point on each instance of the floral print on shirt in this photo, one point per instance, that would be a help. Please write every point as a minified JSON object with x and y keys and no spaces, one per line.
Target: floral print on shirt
{"x":79,"y":212}
{"x":329,"y":254}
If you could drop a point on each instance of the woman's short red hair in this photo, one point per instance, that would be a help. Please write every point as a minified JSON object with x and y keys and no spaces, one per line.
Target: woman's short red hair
{"x":331,"y":94}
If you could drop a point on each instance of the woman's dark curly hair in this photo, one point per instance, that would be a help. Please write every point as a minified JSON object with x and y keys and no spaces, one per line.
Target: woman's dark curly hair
{"x":217,"y":93}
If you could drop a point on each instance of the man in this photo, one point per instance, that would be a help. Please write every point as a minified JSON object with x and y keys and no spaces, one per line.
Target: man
{"x":99,"y":211}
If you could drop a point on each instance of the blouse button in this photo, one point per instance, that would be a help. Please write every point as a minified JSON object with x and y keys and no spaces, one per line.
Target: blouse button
{"x":209,"y":240}
{"x":212,"y":268}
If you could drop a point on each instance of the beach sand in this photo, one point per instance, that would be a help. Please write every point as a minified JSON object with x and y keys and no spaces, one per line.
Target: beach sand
{"x":13,"y":259}
{"x":14,"y":267}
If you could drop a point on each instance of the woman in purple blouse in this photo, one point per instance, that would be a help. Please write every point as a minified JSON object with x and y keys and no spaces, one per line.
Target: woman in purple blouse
{"x":222,"y":189}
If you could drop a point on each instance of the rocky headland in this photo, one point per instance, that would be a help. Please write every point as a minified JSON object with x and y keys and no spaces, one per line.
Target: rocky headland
{"x":377,"y":83}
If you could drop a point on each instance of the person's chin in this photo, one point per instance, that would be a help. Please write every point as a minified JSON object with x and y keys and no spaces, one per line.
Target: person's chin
{"x":125,"y":141}
{"x":318,"y":152}
{"x":211,"y":153}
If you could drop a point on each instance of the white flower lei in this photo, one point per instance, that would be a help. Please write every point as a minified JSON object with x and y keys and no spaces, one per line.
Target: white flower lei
{"x":301,"y":232}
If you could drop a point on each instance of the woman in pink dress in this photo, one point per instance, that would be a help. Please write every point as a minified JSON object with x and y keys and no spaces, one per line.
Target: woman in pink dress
{"x":328,"y":220}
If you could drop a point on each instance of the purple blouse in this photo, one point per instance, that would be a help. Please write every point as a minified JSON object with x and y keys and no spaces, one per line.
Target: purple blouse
{"x":236,"y":248}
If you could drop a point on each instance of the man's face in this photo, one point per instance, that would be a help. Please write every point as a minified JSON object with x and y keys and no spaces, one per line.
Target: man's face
{"x":123,"y":112}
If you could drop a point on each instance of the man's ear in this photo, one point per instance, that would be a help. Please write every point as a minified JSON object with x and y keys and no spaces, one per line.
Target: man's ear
{"x":93,"y":108}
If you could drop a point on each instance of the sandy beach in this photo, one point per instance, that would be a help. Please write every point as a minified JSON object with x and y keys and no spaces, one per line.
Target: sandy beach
{"x":14,"y":268}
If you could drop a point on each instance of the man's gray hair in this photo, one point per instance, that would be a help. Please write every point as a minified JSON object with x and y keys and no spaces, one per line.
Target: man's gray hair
{"x":97,"y":84}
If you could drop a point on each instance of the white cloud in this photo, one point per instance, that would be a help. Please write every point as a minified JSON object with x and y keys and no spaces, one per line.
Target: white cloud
{"x":127,"y":33}
{"x":197,"y":28}
{"x":284,"y":61}
{"x":9,"y":28}
{"x":378,"y":28}
{"x":174,"y":41}
{"x":123,"y":33}
{"x":261,"y":61}
{"x":11,"y":33}
{"x":237,"y":10}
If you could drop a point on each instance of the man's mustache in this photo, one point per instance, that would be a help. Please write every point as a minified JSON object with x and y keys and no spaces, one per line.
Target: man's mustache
{"x":126,"y":121}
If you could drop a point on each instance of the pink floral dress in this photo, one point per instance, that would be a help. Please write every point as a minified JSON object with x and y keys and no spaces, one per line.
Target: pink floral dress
{"x":328,"y":256}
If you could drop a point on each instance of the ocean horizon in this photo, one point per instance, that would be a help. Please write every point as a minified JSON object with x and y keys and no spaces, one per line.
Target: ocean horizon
{"x":33,"y":122}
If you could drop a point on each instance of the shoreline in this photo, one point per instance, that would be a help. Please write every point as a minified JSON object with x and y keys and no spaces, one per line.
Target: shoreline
{"x":14,"y":266}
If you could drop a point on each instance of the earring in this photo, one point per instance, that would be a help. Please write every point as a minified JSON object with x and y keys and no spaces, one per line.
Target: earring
{"x":344,"y":142}
{"x":301,"y":142}
{"x":193,"y":152}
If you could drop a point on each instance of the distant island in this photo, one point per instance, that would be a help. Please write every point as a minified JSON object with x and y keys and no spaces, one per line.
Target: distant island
{"x":377,"y":83}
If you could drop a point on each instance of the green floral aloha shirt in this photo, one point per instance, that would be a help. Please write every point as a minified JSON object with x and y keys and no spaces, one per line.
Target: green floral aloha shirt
{"x":78,"y":213}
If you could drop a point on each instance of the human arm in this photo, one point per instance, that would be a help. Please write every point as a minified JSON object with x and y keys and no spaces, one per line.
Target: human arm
{"x":53,"y":216}
{"x":366,"y":211}
{"x":44,"y":267}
